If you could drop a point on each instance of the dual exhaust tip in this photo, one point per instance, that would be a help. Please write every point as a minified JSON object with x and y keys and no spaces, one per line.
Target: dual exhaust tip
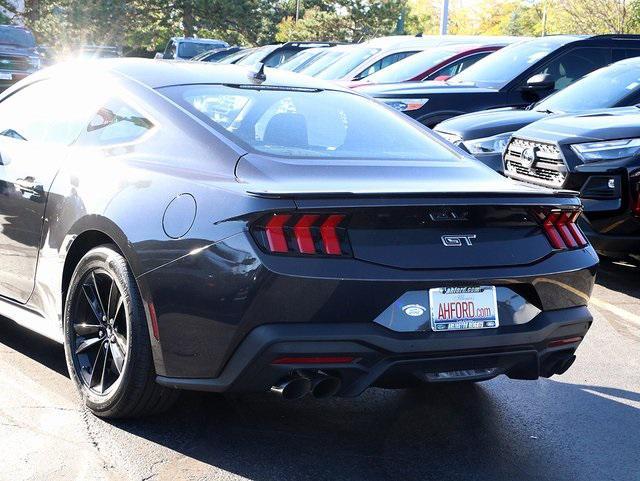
{"x":320,"y":384}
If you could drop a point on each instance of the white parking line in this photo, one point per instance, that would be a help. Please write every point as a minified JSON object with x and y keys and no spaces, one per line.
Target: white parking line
{"x":618,"y":311}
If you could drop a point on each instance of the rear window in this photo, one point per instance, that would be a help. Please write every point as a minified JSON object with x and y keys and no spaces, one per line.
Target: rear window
{"x":191,"y":49}
{"x":308,"y":123}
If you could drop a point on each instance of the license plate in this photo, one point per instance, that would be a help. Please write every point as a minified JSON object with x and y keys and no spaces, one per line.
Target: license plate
{"x":6,"y":76}
{"x":463,"y":308}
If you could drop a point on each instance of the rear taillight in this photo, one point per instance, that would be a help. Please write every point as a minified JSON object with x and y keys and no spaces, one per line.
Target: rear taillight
{"x":303,"y":234}
{"x":636,"y":204}
{"x":561,"y":229}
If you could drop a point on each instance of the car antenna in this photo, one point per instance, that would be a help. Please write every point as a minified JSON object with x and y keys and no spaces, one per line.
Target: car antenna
{"x":259,"y":76}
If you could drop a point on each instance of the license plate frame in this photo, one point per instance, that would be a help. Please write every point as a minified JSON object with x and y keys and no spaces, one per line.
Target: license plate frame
{"x":459,"y":302}
{"x":6,"y":76}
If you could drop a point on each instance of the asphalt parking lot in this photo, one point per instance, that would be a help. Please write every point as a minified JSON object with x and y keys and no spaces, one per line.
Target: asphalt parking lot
{"x":584,"y":425}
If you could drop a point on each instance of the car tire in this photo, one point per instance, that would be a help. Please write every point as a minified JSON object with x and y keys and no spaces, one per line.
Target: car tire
{"x":106,"y":339}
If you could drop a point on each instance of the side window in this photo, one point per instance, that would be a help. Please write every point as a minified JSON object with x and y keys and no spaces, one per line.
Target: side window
{"x":384,"y":62}
{"x":574,"y":64}
{"x":170,"y":51}
{"x":457,"y":66}
{"x":51,"y":113}
{"x":115,"y":123}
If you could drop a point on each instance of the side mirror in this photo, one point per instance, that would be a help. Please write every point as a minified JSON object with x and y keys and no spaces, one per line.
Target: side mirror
{"x":158,"y":56}
{"x":541,"y":81}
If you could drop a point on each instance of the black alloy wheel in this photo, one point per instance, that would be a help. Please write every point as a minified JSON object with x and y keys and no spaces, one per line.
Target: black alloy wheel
{"x":107,"y":341}
{"x":100,"y":331}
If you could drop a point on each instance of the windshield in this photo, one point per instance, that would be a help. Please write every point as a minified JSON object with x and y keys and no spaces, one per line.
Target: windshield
{"x":16,"y":36}
{"x":612,"y":85}
{"x":234,"y":57}
{"x":308,"y":123}
{"x":347,"y":63}
{"x":257,"y":55}
{"x":300,"y":59}
{"x":413,"y":66}
{"x":322,"y":61}
{"x":501,"y":67}
{"x":191,"y":49}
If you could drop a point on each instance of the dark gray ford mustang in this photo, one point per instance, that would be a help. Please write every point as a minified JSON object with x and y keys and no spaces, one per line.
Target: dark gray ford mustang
{"x":193,"y":226}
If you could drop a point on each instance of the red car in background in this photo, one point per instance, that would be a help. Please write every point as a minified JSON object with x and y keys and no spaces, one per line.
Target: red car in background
{"x":438,"y":63}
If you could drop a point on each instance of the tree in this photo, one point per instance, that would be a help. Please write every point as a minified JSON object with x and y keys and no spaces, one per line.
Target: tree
{"x":315,"y":24}
{"x":346,"y":20}
{"x":600,"y":16}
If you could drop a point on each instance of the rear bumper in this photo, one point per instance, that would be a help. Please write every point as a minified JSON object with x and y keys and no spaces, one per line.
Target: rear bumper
{"x":386,"y":358}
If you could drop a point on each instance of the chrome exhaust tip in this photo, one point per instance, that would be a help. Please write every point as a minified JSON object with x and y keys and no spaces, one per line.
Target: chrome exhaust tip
{"x":292,"y":387}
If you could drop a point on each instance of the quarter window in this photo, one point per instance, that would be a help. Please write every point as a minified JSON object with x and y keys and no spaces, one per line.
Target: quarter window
{"x":116,"y":123}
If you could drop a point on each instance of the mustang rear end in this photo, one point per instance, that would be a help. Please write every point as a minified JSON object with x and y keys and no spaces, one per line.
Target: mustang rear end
{"x":362,"y":251}
{"x":337,"y":294}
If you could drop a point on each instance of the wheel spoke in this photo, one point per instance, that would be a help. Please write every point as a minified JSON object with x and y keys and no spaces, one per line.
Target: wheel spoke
{"x":85,"y":329}
{"x":92,"y":298}
{"x":118,"y":307}
{"x":121,"y":341}
{"x":117,"y":355}
{"x":103,"y":374}
{"x":113,"y":291}
{"x":96,"y":371}
{"x":87,"y":343}
{"x":95,"y":285}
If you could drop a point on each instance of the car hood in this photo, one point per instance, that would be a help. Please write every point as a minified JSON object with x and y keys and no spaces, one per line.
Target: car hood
{"x":595,"y":125}
{"x":489,"y":122}
{"x":265,"y":175}
{"x":409,"y":89}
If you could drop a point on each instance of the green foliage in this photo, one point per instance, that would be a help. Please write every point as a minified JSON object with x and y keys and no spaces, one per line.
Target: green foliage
{"x":145,"y":25}
{"x":345,"y":20}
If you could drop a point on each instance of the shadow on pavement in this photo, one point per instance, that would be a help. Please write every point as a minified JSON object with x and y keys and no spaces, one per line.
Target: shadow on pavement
{"x":619,"y":277}
{"x":500,"y":430}
{"x":40,"y":349}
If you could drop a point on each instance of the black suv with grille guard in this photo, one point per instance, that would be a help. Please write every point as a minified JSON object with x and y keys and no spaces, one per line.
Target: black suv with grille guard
{"x":597,"y":154}
{"x":18,"y":55}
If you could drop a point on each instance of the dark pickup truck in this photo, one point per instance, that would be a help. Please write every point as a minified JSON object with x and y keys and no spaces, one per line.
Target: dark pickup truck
{"x":18,"y":55}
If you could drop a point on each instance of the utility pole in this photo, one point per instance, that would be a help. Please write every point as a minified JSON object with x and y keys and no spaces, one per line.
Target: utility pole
{"x":297,"y":10}
{"x":444,"y":17}
{"x":544,"y":18}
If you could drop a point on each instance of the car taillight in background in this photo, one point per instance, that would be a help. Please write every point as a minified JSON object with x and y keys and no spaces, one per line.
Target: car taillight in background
{"x":303,"y":234}
{"x":561,"y":229}
{"x":636,"y":203}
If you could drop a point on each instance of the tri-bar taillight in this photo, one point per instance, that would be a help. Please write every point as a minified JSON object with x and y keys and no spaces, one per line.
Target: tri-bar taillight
{"x":561,"y":229}
{"x":303,"y":234}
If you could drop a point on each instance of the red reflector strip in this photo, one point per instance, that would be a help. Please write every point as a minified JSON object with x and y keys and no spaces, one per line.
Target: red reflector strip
{"x":154,"y":321}
{"x":564,"y":342}
{"x":302,"y":232}
{"x":552,"y":234}
{"x":314,"y":360}
{"x":275,"y":233}
{"x":563,"y":229}
{"x":329,"y":234}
